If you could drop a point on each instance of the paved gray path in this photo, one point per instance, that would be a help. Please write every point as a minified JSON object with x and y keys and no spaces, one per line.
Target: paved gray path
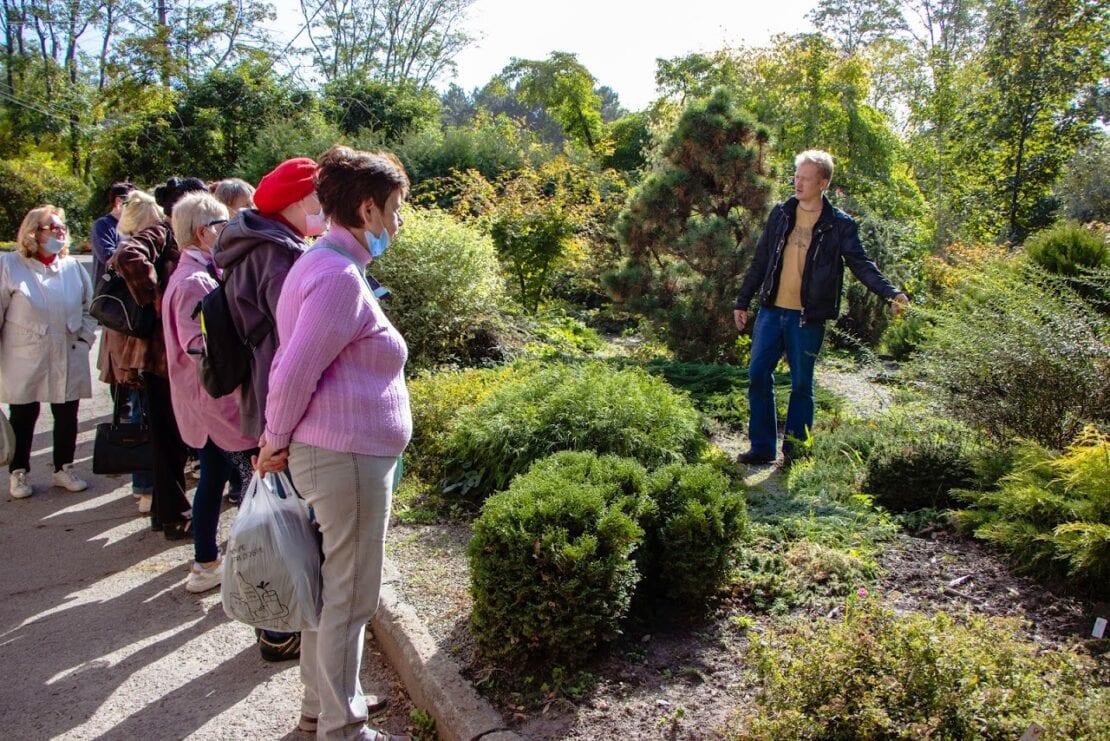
{"x":98,"y":637}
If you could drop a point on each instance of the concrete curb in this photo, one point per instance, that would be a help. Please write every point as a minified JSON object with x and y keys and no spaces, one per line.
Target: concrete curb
{"x":431,"y":677}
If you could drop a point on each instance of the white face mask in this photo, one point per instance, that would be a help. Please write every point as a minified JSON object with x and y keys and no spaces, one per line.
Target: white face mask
{"x":314,"y":224}
{"x":53,"y":245}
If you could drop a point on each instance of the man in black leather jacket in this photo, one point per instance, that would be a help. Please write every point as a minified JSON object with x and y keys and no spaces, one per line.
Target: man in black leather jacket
{"x":798,"y":271}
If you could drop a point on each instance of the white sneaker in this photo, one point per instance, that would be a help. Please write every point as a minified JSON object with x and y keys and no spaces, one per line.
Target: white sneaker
{"x":145,"y":501}
{"x":202,"y":579}
{"x":20,"y":489}
{"x":67,"y":480}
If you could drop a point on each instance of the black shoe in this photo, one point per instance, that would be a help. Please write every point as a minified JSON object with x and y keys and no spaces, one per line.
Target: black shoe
{"x":754,"y":459}
{"x":178,"y":530}
{"x":279,"y":647}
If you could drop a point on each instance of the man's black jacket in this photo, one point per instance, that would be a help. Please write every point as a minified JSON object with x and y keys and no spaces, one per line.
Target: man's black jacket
{"x":835,"y":243}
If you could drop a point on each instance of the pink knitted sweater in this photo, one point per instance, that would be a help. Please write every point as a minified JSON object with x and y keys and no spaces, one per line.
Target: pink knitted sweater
{"x":338,"y":377}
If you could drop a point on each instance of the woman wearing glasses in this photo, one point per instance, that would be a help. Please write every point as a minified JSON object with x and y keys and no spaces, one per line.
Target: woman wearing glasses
{"x":45,"y":336}
{"x":211,"y":426}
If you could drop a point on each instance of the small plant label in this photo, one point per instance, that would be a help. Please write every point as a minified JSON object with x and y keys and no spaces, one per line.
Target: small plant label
{"x":1100,"y":628}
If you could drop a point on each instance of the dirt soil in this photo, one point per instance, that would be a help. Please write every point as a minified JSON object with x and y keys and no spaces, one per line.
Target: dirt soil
{"x":689,"y":681}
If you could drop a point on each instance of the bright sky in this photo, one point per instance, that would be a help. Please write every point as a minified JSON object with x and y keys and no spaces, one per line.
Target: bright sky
{"x":617,"y":40}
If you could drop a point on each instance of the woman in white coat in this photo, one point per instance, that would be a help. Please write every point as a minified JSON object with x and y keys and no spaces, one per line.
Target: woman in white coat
{"x":45,"y":336}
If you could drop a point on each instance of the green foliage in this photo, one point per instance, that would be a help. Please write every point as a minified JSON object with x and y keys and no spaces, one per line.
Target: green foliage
{"x":881,"y":675}
{"x":531,"y":236}
{"x":630,"y":136}
{"x":918,"y":474}
{"x":556,"y":559}
{"x":585,"y":406}
{"x":445,"y":285}
{"x":560,"y":335}
{"x":437,"y":400}
{"x":388,"y":111}
{"x":565,"y":89}
{"x":489,"y":145}
{"x":1068,"y":249}
{"x":690,"y":532}
{"x":903,"y":335}
{"x":1051,"y":514}
{"x":690,"y":228}
{"x":25,"y":184}
{"x":721,"y":391}
{"x":305,"y":135}
{"x":1018,"y":354}
{"x":551,"y":571}
{"x":1084,"y":188}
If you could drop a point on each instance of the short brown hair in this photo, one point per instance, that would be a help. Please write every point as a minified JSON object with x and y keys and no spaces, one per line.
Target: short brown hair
{"x":346,"y":178}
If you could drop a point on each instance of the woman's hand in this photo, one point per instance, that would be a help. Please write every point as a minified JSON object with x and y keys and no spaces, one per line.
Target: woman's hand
{"x":269,"y":458}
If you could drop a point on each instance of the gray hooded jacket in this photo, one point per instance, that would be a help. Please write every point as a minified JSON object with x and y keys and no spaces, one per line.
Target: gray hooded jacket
{"x":255,"y":252}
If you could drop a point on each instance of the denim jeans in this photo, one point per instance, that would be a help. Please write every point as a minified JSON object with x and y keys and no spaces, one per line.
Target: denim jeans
{"x":779,"y":331}
{"x":350,"y":495}
{"x":216,"y":466}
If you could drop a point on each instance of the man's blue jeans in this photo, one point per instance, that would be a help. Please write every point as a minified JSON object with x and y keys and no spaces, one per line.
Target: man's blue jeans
{"x":779,"y":331}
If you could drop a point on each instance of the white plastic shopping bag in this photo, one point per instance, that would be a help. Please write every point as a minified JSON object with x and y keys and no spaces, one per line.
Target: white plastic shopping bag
{"x":272,"y":566}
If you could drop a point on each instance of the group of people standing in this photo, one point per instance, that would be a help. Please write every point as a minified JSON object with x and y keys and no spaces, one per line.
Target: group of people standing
{"x":326,"y":395}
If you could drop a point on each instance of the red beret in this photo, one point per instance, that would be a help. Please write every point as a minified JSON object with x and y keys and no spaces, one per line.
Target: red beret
{"x":287,"y":183}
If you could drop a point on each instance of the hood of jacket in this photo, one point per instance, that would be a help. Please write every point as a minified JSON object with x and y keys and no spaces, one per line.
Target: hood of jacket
{"x":248,"y":230}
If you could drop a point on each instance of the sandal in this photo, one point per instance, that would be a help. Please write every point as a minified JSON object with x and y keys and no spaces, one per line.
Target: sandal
{"x":374,"y":705}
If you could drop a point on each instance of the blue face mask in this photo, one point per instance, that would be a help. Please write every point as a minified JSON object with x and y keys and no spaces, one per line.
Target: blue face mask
{"x":53,"y":245}
{"x":377,"y":244}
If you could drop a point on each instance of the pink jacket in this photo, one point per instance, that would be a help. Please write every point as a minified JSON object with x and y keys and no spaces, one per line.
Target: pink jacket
{"x":199,"y":416}
{"x":338,"y":377}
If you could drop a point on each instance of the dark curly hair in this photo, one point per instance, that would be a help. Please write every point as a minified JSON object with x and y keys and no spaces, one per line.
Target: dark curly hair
{"x":346,"y":178}
{"x":170,"y":192}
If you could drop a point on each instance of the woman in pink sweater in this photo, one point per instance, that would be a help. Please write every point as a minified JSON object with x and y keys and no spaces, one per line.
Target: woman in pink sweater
{"x":211,"y":426}
{"x":338,"y":410}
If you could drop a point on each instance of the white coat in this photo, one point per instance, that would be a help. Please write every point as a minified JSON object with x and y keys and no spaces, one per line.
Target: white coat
{"x":45,"y":330}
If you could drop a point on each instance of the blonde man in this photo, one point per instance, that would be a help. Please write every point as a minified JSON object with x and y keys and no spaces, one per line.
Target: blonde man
{"x":798,"y":271}
{"x":45,"y":336}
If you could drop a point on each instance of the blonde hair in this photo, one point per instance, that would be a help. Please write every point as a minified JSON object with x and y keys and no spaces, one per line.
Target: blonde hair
{"x":140,"y":210}
{"x":822,"y":159}
{"x":232,"y":191}
{"x":193,"y":210}
{"x":38,"y":217}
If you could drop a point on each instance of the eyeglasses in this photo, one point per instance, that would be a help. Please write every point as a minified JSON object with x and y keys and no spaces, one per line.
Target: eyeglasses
{"x":56,"y":228}
{"x":216,"y":222}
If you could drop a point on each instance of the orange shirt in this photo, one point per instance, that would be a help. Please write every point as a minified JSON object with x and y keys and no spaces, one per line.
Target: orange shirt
{"x":794,"y":259}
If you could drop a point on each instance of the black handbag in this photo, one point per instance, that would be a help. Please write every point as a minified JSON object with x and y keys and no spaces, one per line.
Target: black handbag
{"x":114,"y":307}
{"x":122,"y":447}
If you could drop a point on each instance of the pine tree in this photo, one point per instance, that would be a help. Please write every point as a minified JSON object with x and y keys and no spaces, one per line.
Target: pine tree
{"x":690,"y":229}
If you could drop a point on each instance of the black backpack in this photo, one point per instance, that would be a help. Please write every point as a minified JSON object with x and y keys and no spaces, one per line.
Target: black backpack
{"x":225,"y":361}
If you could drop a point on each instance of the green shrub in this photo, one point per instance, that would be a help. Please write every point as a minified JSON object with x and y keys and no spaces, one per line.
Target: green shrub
{"x":551,"y":571}
{"x":721,"y":391}
{"x":918,"y":474}
{"x":692,"y":530}
{"x":1068,"y":249}
{"x":490,"y":145}
{"x":1018,"y":354}
{"x":25,"y":184}
{"x":557,"y":334}
{"x":586,"y":406}
{"x":445,"y":282}
{"x":881,"y":675}
{"x":1051,"y":514}
{"x":557,"y":558}
{"x":436,"y":401}
{"x":903,"y":335}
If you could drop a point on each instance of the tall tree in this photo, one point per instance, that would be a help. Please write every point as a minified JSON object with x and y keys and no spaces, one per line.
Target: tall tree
{"x":565,"y":89}
{"x":393,"y":41}
{"x":1044,"y":59}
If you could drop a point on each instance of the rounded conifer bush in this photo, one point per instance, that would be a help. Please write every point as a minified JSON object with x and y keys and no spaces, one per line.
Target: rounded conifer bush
{"x":551,"y":571}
